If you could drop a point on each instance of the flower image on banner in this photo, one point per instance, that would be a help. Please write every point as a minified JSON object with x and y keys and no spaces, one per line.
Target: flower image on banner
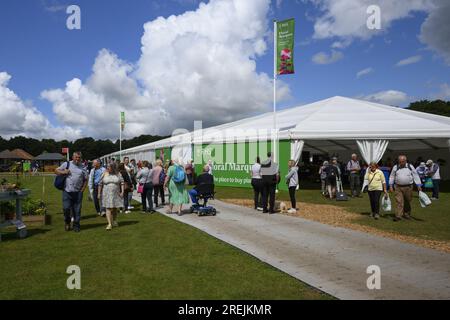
{"x":285,"y":46}
{"x":122,"y":120}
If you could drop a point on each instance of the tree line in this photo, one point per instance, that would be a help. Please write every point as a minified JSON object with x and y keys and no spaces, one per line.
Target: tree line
{"x":90,"y":147}
{"x":438,"y":107}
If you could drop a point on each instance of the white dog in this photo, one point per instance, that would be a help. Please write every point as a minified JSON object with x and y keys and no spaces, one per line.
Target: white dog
{"x":283,"y":207}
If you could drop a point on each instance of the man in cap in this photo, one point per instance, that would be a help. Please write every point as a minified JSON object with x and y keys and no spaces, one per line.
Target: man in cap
{"x":433,"y":171}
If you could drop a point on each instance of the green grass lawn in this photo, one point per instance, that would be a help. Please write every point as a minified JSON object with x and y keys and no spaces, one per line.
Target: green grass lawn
{"x":147,"y":257}
{"x":429,"y":223}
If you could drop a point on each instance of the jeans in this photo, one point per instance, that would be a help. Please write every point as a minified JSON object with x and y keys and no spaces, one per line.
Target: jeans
{"x":257,"y":192}
{"x":292,"y":196}
{"x":97,"y":201}
{"x":72,"y":205}
{"x":130,"y":198}
{"x":126,"y":200}
{"x":374,"y":197}
{"x":146,"y":195}
{"x":436,"y":188}
{"x":193,"y":194}
{"x":355,"y":183}
{"x":268,"y":196}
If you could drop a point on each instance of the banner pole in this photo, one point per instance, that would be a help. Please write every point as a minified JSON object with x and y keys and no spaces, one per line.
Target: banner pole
{"x":275,"y":53}
{"x":120,"y":137}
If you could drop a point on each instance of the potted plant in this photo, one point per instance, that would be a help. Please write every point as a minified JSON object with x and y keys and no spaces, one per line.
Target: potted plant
{"x":34,"y":211}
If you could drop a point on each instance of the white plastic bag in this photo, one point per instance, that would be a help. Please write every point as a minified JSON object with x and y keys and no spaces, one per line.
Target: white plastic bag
{"x":386,"y":204}
{"x":424,"y":199}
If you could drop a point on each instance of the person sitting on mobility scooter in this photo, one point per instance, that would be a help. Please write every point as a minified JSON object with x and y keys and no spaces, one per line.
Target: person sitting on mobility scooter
{"x":204,"y":189}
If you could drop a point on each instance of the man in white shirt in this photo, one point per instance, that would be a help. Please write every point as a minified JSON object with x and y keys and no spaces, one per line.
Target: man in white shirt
{"x":401,"y":181}
{"x":354,"y":169}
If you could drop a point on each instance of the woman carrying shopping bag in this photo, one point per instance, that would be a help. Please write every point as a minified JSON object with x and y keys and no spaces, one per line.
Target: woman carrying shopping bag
{"x":376,"y":185}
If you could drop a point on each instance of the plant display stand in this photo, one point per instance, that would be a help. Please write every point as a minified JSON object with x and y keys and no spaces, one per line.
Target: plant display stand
{"x":17,"y":195}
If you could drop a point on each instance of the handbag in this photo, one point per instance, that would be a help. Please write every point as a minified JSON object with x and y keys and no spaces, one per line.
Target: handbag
{"x":366,"y":188}
{"x":60,"y":180}
{"x":140,"y":188}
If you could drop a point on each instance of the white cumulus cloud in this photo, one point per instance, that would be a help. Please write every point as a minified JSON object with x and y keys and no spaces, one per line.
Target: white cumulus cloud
{"x":435,"y":31}
{"x":94,"y":106}
{"x":325,"y":58}
{"x":388,"y":97}
{"x":364,"y":72}
{"x":443,"y":94}
{"x":410,"y":60}
{"x":346,"y":20}
{"x":20,"y":118}
{"x":200,"y":65}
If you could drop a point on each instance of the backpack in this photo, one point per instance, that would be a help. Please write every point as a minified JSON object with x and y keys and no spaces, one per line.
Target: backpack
{"x":60,"y":181}
{"x":331,"y":172}
{"x":397,"y":168}
{"x":162,"y":177}
{"x":179,"y":175}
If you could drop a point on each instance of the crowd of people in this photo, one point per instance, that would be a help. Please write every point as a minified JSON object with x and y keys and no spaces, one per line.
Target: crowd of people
{"x":378,"y":180}
{"x":112,"y":185}
{"x":381,"y":179}
{"x":265,"y":176}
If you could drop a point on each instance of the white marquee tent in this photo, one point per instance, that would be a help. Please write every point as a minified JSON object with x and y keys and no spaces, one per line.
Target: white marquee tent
{"x":338,"y":126}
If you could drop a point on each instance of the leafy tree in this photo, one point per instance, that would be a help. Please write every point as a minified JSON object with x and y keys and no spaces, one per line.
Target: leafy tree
{"x":438,"y":107}
{"x":90,"y":147}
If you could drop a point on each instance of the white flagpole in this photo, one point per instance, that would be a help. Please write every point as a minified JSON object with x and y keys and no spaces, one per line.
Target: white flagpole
{"x":120,"y":136}
{"x":275,"y":30}
{"x":275,"y":72}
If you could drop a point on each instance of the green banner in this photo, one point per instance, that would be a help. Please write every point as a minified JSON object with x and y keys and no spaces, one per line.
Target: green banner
{"x":232,"y":162}
{"x":26,"y":167}
{"x":285,"y":46}
{"x":122,"y":120}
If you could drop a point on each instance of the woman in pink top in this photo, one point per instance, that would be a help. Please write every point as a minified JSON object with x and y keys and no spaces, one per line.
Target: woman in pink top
{"x":158,"y":183}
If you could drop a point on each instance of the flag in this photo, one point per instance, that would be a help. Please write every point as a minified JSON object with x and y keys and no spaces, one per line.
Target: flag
{"x":122,"y":120}
{"x":285,"y":46}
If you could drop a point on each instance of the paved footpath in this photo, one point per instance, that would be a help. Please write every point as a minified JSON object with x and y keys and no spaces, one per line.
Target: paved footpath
{"x":332,"y":259}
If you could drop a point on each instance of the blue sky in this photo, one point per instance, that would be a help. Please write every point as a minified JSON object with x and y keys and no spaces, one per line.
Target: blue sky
{"x":39,"y":53}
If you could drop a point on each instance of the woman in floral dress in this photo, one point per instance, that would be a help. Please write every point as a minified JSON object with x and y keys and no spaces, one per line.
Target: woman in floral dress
{"x":177,"y":190}
{"x":111,"y":190}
